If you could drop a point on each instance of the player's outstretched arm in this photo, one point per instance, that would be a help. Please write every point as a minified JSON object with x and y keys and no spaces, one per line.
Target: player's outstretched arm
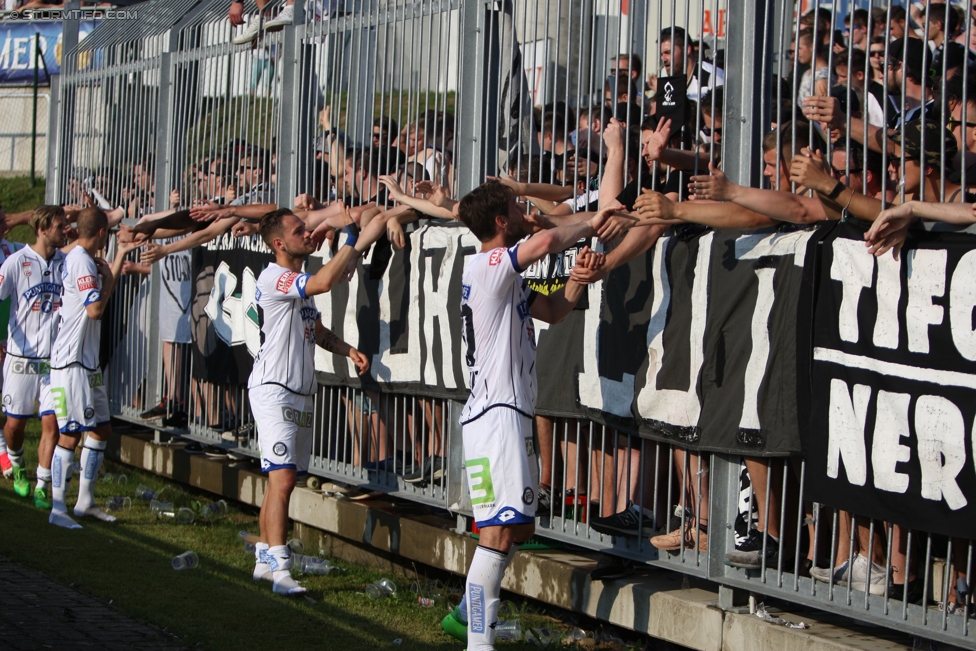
{"x":556,"y":306}
{"x":356,"y":245}
{"x":332,"y":343}
{"x":558,"y":239}
{"x":110,"y":277}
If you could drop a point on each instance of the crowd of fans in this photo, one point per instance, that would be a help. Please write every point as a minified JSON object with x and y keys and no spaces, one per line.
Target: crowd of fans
{"x":876,"y":121}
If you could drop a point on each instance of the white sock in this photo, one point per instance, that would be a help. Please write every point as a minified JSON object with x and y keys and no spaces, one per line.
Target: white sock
{"x":3,"y":443}
{"x":91,"y":460}
{"x":60,"y":478}
{"x":279,"y":559}
{"x":43,"y":477}
{"x":463,"y":606}
{"x":16,"y":457}
{"x":262,"y":568}
{"x":483,"y":589}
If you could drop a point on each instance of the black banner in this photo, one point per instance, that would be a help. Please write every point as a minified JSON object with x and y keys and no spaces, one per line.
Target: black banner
{"x":225,"y":318}
{"x":888,"y":428}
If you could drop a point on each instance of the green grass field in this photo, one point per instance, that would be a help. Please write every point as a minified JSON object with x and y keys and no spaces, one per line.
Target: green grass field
{"x":216,"y":606}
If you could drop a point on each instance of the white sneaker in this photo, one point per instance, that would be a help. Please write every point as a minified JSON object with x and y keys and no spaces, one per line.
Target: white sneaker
{"x":251,"y":33}
{"x":823,"y":573}
{"x":286,"y":17}
{"x":286,"y":585}
{"x":61,"y":519}
{"x":859,"y":580}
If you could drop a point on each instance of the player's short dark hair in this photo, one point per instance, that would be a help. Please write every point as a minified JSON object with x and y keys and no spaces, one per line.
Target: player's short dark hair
{"x":479,"y":208}
{"x":271,"y":225}
{"x":674,"y":35}
{"x":43,"y":216}
{"x":90,"y":221}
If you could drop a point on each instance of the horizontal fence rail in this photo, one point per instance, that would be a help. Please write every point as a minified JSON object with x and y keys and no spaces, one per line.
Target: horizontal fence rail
{"x":576,"y":105}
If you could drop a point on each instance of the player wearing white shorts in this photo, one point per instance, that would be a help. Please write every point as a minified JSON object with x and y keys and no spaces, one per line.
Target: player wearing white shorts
{"x":77,"y":385}
{"x":282,"y":385}
{"x":497,"y":309}
{"x":6,"y":250}
{"x":31,"y":278}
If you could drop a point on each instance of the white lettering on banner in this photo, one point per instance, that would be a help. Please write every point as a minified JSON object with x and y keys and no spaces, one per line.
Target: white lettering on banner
{"x":855,"y":270}
{"x":962,"y":300}
{"x":596,"y":391}
{"x":435,"y":303}
{"x":235,"y":318}
{"x":890,"y":426}
{"x":763,"y":244}
{"x":941,"y":449}
{"x":679,"y":407}
{"x":904,"y":371}
{"x":886,"y":328}
{"x":759,"y":355}
{"x":847,"y":418}
{"x":926,"y":279}
{"x":21,"y":48}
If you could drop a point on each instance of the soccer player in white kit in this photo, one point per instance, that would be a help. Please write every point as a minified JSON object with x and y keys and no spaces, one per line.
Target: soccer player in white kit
{"x":31,"y":277}
{"x":282,"y":385}
{"x":497,"y":309}
{"x":6,"y":250}
{"x":77,"y":385}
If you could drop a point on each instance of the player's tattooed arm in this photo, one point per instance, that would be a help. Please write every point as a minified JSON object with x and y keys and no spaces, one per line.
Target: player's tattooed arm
{"x":332,"y":343}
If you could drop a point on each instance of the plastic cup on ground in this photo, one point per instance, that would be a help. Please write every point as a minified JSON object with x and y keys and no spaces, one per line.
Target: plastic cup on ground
{"x":118,"y":504}
{"x":184,"y":516}
{"x":145,"y":493}
{"x":214,"y":509}
{"x":311,"y":565}
{"x":381,"y":589}
{"x":296,"y":546}
{"x":186,"y":561}
{"x":160,"y":509}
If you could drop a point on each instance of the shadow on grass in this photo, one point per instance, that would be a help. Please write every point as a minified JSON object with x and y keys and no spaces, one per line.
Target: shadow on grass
{"x":216,"y":606}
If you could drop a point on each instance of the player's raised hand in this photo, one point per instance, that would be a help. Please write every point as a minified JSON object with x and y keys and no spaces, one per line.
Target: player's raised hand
{"x":360,"y":360}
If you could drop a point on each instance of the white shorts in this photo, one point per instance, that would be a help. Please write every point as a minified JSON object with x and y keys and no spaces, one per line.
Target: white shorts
{"x":502,"y":468}
{"x":284,"y":422}
{"x":27,"y":387}
{"x":80,"y":399}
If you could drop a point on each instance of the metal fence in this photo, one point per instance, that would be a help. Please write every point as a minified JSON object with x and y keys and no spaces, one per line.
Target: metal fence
{"x":169,"y":111}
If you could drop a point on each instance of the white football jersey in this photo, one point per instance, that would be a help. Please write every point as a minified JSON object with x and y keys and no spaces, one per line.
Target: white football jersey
{"x":34,"y":287}
{"x":498,"y":334}
{"x":287,"y":356}
{"x":78,"y":335}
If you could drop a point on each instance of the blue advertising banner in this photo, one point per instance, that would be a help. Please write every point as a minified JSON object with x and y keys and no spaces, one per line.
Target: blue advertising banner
{"x":18,"y":39}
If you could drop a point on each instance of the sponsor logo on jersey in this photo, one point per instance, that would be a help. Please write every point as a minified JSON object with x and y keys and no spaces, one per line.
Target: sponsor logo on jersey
{"x":94,"y":297}
{"x":31,"y":368}
{"x":299,"y":418}
{"x":280,"y":449}
{"x":285,"y":281}
{"x":1,"y":279}
{"x":496,"y":257}
{"x":506,"y":515}
{"x":36,"y":307}
{"x":309,"y":313}
{"x":528,"y":496}
{"x":302,"y":281}
{"x":89,"y":413}
{"x":465,"y":290}
{"x":87,"y":282}
{"x":523,"y":309}
{"x":49,"y":288}
{"x":26,"y":267}
{"x":95,"y":380}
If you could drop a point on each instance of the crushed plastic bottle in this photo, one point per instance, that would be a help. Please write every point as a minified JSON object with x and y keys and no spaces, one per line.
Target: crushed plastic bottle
{"x":311,"y":565}
{"x":508,"y":631}
{"x":296,"y":546}
{"x":381,"y":589}
{"x":186,"y":561}
{"x":541,"y":636}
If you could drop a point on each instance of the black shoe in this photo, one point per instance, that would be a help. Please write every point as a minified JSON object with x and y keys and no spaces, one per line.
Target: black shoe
{"x":159,"y":410}
{"x":629,"y":522}
{"x":897,"y":592}
{"x":609,"y":568}
{"x":177,"y":420}
{"x":432,"y":470}
{"x":544,"y":501}
{"x":749,"y":553}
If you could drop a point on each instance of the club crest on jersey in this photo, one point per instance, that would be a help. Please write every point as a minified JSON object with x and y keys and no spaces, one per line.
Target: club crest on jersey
{"x":26,"y":267}
{"x":87,"y":282}
{"x":280,"y":449}
{"x":523,"y":309}
{"x":496,"y":257}
{"x":285,"y":281}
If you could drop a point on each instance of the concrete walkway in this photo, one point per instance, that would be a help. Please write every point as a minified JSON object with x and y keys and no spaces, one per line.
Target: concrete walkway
{"x":39,"y":613}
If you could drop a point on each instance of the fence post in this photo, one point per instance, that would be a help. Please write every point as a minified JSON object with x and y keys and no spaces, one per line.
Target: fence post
{"x":724,"y":494}
{"x":476,"y":112}
{"x":748,"y":54}
{"x":296,"y":137}
{"x":61,"y":125}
